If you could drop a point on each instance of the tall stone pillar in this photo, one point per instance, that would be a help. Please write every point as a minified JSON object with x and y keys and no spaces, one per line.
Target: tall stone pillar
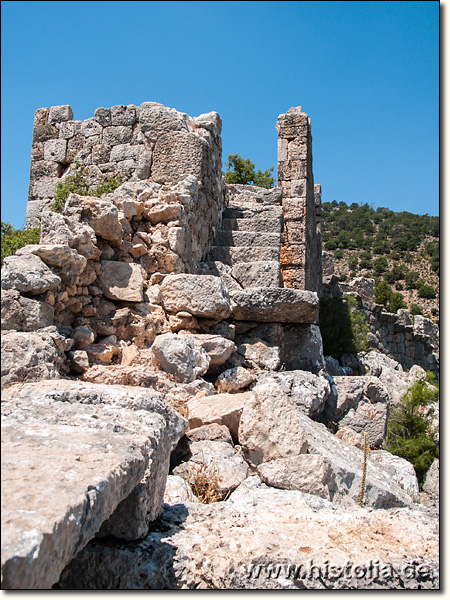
{"x":301,"y":263}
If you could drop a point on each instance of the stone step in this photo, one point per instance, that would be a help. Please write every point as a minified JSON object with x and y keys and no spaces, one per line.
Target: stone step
{"x":231,"y":255}
{"x":247,"y":238}
{"x":260,"y":224}
{"x":257,"y":274}
{"x":252,"y":211}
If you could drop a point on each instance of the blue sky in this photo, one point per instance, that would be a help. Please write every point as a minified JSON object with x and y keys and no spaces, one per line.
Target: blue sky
{"x":367,"y":73}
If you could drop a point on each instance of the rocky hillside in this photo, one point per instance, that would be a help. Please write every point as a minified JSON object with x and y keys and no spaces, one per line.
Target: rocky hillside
{"x":399,"y":248}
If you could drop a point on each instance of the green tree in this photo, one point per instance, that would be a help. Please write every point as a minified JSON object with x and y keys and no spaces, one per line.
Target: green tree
{"x":410,"y":433}
{"x":242,"y":171}
{"x":14,"y":239}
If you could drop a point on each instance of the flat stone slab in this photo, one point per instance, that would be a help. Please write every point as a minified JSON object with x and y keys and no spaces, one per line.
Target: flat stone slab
{"x":78,"y":458}
{"x":59,"y":483}
{"x":276,"y":305}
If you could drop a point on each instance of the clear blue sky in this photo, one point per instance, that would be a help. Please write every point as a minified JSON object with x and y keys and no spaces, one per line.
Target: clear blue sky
{"x":367,"y":73}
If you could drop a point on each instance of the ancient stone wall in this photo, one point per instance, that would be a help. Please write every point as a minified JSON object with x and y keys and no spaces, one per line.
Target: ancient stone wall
{"x":301,"y":254}
{"x":141,"y":143}
{"x":409,"y":340}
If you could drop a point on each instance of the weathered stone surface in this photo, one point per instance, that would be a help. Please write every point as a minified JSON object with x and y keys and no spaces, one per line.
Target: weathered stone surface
{"x":234,"y":380}
{"x":60,"y":229}
{"x":271,"y":428}
{"x":219,"y":459}
{"x":82,"y":336}
{"x":281,"y":305}
{"x":255,"y":274}
{"x":57,"y":255}
{"x":201,"y":295}
{"x":24,"y":314}
{"x":218,"y":348}
{"x":126,"y":411}
{"x":431,"y":483}
{"x":181,"y":355}
{"x":259,"y":354}
{"x":28,"y":274}
{"x":121,"y":281}
{"x":32,"y":356}
{"x":364,"y":288}
{"x":224,"y":409}
{"x":212,"y":432}
{"x":307,"y":472}
{"x":268,"y":427}
{"x":178,"y":491}
{"x":306,"y":391}
{"x":101,"y":215}
{"x":103,"y":351}
{"x":361,"y":404}
{"x":400,"y":470}
{"x":177,"y":154}
{"x":256,"y":529}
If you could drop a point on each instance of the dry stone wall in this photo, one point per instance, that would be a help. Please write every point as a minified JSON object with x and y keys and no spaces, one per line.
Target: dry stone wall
{"x":149,"y":142}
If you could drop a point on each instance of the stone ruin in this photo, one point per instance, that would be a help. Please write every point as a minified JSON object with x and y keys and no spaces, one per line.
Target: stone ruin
{"x":170,"y":324}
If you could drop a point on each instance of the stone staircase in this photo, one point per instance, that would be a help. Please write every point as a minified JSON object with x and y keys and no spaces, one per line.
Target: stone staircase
{"x":248,"y":243}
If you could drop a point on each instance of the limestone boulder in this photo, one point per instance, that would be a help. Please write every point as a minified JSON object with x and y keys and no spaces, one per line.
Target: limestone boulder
{"x":24,"y":314}
{"x":234,"y":380}
{"x":96,"y":457}
{"x":200,"y":295}
{"x":61,"y":229}
{"x":306,"y":391}
{"x":121,"y":281}
{"x":32,"y":356}
{"x":259,"y":273}
{"x":215,"y":459}
{"x":180,"y":355}
{"x":218,"y":348}
{"x":178,"y":491}
{"x":267,"y":538}
{"x":361,"y":404}
{"x":224,"y":409}
{"x":259,"y":354}
{"x":59,"y":256}
{"x":101,"y":215}
{"x":279,"y":305}
{"x":271,"y":428}
{"x":431,"y":482}
{"x":308,"y":473}
{"x":28,"y":274}
{"x":400,"y":470}
{"x":212,"y":432}
{"x":109,"y":409}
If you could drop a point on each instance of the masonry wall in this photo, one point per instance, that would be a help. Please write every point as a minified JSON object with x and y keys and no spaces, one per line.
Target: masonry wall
{"x":301,"y":254}
{"x":142,"y":143}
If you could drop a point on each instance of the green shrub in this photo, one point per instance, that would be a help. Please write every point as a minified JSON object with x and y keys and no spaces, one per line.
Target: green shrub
{"x":353,"y":263}
{"x":338,"y":254}
{"x":380,"y":265}
{"x":415,"y":309}
{"x":426,"y":291}
{"x":410,"y":433}
{"x":77,"y":184}
{"x":14,"y":239}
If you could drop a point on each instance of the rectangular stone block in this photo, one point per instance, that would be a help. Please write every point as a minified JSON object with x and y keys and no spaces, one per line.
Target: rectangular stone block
{"x":292,"y":255}
{"x":115,"y":135}
{"x":58,"y":114}
{"x":298,"y":149}
{"x":55,"y":150}
{"x":293,"y":278}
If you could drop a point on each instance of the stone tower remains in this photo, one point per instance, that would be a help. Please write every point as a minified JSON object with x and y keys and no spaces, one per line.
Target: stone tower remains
{"x":155,"y":144}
